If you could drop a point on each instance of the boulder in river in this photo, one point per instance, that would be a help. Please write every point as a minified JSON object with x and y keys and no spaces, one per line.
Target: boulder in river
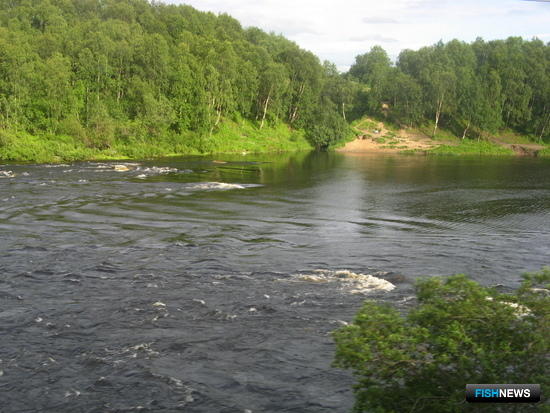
{"x":121,"y":168}
{"x":7,"y":174}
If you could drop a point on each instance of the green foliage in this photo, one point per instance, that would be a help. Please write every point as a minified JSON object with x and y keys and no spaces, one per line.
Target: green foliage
{"x":230,"y":137}
{"x":470,"y":89}
{"x":442,"y":135}
{"x":113,"y":74}
{"x":468,"y":147}
{"x":544,"y":152}
{"x":412,"y":151}
{"x":460,"y":332}
{"x":244,"y":136}
{"x":49,"y":148}
{"x":328,"y":127}
{"x":372,"y":69}
{"x":508,"y":136}
{"x":364,"y":123}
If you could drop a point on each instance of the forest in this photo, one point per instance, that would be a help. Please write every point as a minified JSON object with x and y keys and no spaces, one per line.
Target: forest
{"x":104,"y":72}
{"x":136,"y":78}
{"x":472,"y":89}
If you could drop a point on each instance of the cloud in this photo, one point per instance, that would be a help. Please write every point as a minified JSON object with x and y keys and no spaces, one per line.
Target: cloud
{"x":374,"y":38}
{"x":516,"y":12}
{"x":287,"y":26}
{"x":380,"y":20}
{"x":339,"y":30}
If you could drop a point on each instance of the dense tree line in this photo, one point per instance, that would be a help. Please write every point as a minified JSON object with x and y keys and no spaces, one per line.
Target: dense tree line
{"x":100,"y":70}
{"x":471,"y":89}
{"x":118,"y":70}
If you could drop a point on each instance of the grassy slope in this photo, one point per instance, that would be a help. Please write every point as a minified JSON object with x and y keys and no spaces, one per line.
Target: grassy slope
{"x":230,"y":137}
{"x":468,"y":147}
{"x":450,"y":144}
{"x":446,"y":142}
{"x":453,"y":145}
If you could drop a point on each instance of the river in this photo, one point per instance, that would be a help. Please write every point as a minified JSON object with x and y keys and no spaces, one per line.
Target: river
{"x":213,"y":284}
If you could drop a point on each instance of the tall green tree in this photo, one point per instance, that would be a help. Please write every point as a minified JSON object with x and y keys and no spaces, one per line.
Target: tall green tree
{"x":373,"y":70}
{"x":134,"y":68}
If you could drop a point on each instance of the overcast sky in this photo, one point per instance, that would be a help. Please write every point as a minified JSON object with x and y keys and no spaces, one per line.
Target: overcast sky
{"x":338,"y":30}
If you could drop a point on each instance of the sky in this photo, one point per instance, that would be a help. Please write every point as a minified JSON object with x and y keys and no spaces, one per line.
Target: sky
{"x":339,"y":30}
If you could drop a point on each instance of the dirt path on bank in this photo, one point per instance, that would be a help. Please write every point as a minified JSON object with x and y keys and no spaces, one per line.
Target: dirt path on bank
{"x":377,"y":138}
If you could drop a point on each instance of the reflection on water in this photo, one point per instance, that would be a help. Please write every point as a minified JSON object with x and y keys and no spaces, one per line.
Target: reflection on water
{"x":179,"y":283}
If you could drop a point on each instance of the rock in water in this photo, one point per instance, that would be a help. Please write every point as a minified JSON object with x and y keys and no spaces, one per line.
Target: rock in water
{"x":7,"y":174}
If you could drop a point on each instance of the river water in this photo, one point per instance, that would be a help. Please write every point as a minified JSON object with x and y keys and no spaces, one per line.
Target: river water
{"x":213,"y":284}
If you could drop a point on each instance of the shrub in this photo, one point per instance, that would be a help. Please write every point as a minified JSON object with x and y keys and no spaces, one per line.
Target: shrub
{"x":459,"y":333}
{"x":71,"y":126}
{"x":5,"y":138}
{"x":327,"y":129}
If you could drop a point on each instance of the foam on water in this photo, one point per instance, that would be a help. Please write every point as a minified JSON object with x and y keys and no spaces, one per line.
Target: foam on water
{"x":108,"y":166}
{"x":145,"y":172}
{"x":157,"y":170}
{"x":520,"y":310}
{"x":216,"y":186}
{"x":355,"y":283}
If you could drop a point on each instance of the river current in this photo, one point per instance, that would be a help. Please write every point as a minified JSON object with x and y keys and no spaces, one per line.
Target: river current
{"x":213,"y":284}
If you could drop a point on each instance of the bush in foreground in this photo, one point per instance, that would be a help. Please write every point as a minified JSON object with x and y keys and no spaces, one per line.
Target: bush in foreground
{"x":460,"y":332}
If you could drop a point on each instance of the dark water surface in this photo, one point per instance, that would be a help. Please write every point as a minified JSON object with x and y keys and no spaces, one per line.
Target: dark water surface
{"x":190,"y":285}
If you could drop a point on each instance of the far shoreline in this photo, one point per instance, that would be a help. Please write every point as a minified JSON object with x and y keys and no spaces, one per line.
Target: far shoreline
{"x":374,"y":136}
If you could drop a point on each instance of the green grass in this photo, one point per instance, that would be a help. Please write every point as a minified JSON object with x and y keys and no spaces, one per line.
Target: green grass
{"x":364,"y":123}
{"x":21,"y":146}
{"x":468,"y":147}
{"x":392,"y":127}
{"x":441,"y":134}
{"x":412,"y":151}
{"x":243,"y":136}
{"x":544,"y":152}
{"x":230,"y":137}
{"x":512,"y":137}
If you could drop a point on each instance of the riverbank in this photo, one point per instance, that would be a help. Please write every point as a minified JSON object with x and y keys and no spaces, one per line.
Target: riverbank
{"x":376,"y":136}
{"x":230,"y":137}
{"x":242,"y":137}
